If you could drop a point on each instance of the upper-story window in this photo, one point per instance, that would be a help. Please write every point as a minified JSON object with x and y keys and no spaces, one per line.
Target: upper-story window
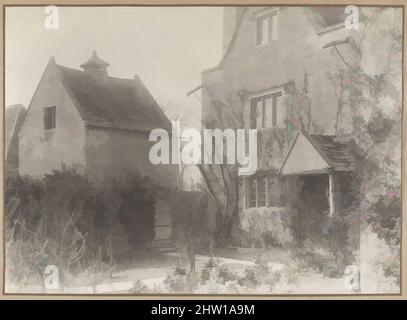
{"x":266,"y":28}
{"x":267,"y":111}
{"x":49,"y":117}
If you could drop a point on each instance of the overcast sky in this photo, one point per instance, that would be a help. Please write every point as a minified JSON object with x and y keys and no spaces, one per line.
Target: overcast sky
{"x":167,"y":47}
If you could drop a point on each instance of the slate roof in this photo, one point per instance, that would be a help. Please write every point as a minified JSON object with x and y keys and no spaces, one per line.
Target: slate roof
{"x":113,"y":102}
{"x":339,"y":155}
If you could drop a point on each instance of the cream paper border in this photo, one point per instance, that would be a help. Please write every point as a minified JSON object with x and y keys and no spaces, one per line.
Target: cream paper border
{"x":403,"y":277}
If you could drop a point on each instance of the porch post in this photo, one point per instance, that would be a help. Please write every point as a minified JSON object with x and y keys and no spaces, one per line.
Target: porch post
{"x":331,"y":195}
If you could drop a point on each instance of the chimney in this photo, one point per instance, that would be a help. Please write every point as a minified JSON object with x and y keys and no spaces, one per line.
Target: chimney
{"x":95,"y":66}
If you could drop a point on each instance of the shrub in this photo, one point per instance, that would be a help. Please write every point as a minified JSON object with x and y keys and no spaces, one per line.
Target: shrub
{"x":219,"y":278}
{"x":226,"y":275}
{"x":382,"y":225}
{"x":379,"y":264}
{"x":317,"y":257}
{"x":181,"y":282}
{"x":266,"y":227}
{"x":139,"y":288}
{"x":208,"y":267}
{"x":65,"y":220}
{"x":385,"y":217}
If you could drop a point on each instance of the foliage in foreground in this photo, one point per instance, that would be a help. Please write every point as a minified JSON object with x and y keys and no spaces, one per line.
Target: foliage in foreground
{"x":66,"y":221}
{"x":218,"y":278}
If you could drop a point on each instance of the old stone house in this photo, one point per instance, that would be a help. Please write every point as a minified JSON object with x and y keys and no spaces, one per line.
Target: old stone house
{"x":279,"y":75}
{"x":95,"y":123}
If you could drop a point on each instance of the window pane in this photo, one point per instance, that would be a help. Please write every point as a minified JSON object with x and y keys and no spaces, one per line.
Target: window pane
{"x":253,"y":114}
{"x":259,"y":34}
{"x":273,"y":27}
{"x":264,"y":26}
{"x":46,"y":119}
{"x":53,"y":116}
{"x":261,"y":192}
{"x":281,"y":112}
{"x":270,"y":32}
{"x":259,"y":114}
{"x":268,"y":110}
{"x":252,"y":193}
{"x":49,"y":117}
{"x":262,"y":31}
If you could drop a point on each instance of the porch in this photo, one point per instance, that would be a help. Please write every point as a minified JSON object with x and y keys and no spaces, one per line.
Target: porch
{"x":320,"y":163}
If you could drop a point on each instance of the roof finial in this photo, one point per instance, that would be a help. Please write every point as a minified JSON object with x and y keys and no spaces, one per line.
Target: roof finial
{"x":95,"y":66}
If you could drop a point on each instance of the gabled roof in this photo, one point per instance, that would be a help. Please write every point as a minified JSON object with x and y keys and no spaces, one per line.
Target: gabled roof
{"x":310,"y":154}
{"x":339,"y":155}
{"x":113,"y":102}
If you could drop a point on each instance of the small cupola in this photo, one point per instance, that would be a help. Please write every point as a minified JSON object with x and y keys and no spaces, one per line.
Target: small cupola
{"x":95,"y":66}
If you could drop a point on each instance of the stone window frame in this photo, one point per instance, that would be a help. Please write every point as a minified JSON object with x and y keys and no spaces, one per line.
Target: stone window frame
{"x":282,"y":202}
{"x":50,"y":118}
{"x":273,"y":94}
{"x":255,"y":182}
{"x":272,"y":20}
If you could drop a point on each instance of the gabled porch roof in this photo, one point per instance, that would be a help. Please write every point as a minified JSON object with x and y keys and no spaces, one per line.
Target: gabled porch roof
{"x":314,"y":154}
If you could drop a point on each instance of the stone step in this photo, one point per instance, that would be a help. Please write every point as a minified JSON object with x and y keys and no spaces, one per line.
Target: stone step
{"x":166,"y":245}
